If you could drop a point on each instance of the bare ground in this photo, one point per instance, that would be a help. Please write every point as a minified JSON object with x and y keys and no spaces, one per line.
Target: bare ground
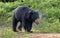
{"x":40,"y":36}
{"x":45,"y":36}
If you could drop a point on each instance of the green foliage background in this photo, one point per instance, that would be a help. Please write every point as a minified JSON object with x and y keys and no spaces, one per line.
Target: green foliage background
{"x":50,"y":7}
{"x":51,"y":23}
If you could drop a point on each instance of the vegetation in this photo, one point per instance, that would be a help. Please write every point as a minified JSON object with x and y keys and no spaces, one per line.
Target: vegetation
{"x":51,"y":8}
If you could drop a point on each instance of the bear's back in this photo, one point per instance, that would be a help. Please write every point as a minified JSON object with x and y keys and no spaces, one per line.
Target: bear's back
{"x":20,"y":11}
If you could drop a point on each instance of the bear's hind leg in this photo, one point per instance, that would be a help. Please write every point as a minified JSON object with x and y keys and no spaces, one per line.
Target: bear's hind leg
{"x":14,"y":23}
{"x":20,"y":27}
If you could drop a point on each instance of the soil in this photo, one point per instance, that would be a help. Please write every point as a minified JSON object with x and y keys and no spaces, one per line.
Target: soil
{"x":45,"y":36}
{"x":40,"y":36}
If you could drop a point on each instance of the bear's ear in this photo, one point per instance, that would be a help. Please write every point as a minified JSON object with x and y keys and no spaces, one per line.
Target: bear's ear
{"x":30,"y":12}
{"x":28,"y":15}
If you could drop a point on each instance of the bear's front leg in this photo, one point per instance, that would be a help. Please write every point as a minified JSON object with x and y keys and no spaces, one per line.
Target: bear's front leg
{"x":28,"y":27}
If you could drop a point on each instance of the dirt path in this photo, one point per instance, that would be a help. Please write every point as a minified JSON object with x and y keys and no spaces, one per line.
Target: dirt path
{"x":40,"y":36}
{"x":45,"y":36}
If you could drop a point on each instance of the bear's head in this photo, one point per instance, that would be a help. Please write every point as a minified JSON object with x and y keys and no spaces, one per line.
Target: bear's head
{"x":34,"y":16}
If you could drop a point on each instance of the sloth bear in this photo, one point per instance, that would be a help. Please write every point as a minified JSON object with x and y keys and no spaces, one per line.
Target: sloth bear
{"x":26,"y":17}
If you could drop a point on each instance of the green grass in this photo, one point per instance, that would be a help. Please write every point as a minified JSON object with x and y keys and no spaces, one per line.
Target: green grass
{"x":8,"y":33}
{"x":50,"y":25}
